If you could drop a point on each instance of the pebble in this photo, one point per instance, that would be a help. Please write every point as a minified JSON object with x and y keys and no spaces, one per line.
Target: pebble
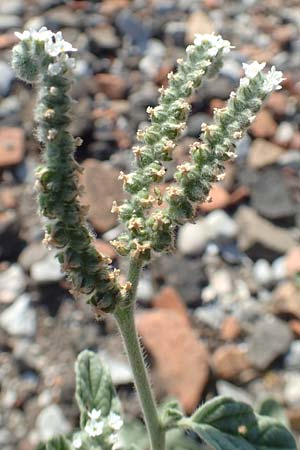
{"x":198,"y":22}
{"x":9,"y":22}
{"x":12,"y":145}
{"x":151,"y":62}
{"x":259,"y":237}
{"x":12,"y":7}
{"x":47,"y":270}
{"x":286,"y":299}
{"x":279,"y":268}
{"x":264,"y":125}
{"x":19,"y":319}
{"x":292,"y":359}
{"x":229,"y":362}
{"x":51,"y":422}
{"x":193,"y":238}
{"x":236,"y":393}
{"x":120,"y":371}
{"x":145,"y":290}
{"x":162,"y":330}
{"x":284,"y":133}
{"x":263,"y":153}
{"x":292,"y":388}
{"x":292,"y":261}
{"x":271,"y":195}
{"x":264,"y":345}
{"x":12,"y":283}
{"x":100,"y":180}
{"x":262,"y":272}
{"x":211,"y":315}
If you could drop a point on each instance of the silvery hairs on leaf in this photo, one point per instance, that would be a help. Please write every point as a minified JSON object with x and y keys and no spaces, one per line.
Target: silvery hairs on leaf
{"x":226,"y":424}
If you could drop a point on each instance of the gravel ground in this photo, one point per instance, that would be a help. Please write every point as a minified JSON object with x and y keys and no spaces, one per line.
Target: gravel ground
{"x":233,"y":284}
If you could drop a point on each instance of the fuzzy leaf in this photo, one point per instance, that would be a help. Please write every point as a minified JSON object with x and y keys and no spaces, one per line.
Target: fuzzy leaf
{"x":94,"y":386}
{"x":58,"y":443}
{"x":229,"y":425}
{"x":270,"y":407}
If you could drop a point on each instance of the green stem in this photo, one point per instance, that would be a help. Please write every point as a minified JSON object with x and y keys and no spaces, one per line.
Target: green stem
{"x":125,"y":319}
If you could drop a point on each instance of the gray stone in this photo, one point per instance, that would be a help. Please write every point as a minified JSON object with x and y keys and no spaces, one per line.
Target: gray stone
{"x":9,"y":21}
{"x":262,"y":272}
{"x":12,"y":7}
{"x":120,"y":371}
{"x":211,"y":315}
{"x":145,"y":291}
{"x":7,"y":75}
{"x":271,"y":338}
{"x":192,"y":238}
{"x":12,"y":283}
{"x":292,"y":389}
{"x":279,"y":269}
{"x":248,"y":311}
{"x":19,"y":319}
{"x":103,"y":38}
{"x":237,"y":393}
{"x":184,"y":274}
{"x":46,"y":270}
{"x":51,"y":422}
{"x":9,"y":105}
{"x":284,"y":133}
{"x":31,"y":254}
{"x":292,"y":359}
{"x":260,"y":238}
{"x":271,"y":195}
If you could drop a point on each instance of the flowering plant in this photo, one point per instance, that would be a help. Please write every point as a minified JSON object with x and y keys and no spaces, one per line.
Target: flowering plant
{"x":150,"y":219}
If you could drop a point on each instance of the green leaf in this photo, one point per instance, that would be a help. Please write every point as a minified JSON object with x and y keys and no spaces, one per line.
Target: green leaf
{"x":177,"y":440}
{"x":94,"y":386}
{"x":229,"y":425}
{"x":171,"y":413}
{"x":59,"y":443}
{"x":272,"y":408}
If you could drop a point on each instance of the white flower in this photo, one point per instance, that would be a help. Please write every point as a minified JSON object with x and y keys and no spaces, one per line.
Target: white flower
{"x":94,"y":428}
{"x":251,"y":70}
{"x":216,"y":41}
{"x":115,"y":421}
{"x":25,"y":35}
{"x":272,"y":81}
{"x":77,"y":442}
{"x":95,"y":414}
{"x":63,"y":62}
{"x":57,"y":45}
{"x":42,"y":35}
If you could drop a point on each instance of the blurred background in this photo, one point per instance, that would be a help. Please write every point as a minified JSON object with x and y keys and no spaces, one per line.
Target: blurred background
{"x":219,"y":316}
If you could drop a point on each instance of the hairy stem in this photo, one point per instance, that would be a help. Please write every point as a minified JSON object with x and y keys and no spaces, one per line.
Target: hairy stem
{"x":125,"y":319}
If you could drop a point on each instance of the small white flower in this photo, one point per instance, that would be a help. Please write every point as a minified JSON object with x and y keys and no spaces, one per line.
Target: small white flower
{"x":77,"y":442}
{"x":115,"y":421}
{"x":273,"y":80}
{"x":25,"y":35}
{"x":57,"y":45}
{"x":94,"y":428}
{"x":95,"y":414}
{"x":251,"y":70}
{"x":43,"y":34}
{"x":216,"y":41}
{"x":63,"y":62}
